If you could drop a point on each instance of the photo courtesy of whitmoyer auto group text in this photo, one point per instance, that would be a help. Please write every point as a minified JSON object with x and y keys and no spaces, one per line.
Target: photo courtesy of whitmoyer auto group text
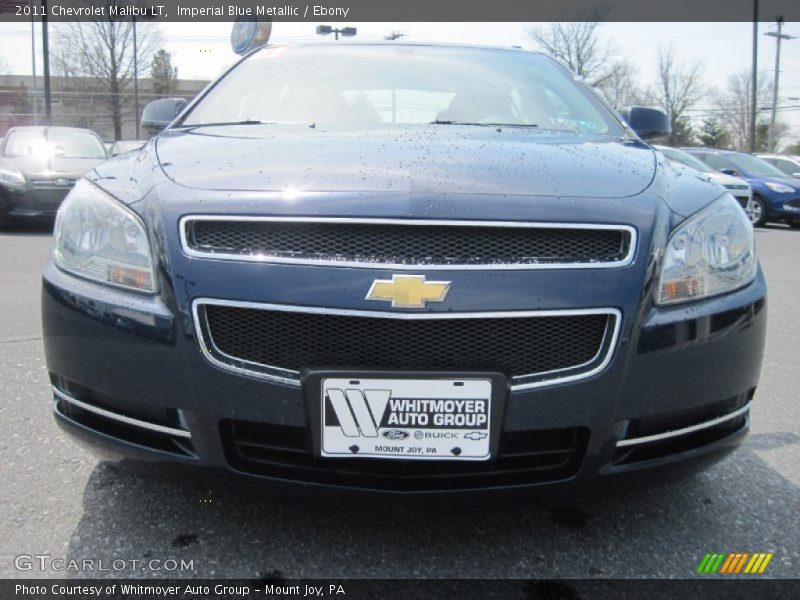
{"x":402,"y":300}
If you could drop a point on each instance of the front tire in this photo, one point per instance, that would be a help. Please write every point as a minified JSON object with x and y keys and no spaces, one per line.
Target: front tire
{"x":757,"y":211}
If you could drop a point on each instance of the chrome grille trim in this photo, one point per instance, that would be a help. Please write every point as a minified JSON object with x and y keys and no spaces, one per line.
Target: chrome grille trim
{"x":280,"y":375}
{"x":332,"y":262}
{"x":657,"y":437}
{"x":121,"y":418}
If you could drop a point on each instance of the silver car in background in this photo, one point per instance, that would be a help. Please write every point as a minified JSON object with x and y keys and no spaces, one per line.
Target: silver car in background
{"x":788,"y":163}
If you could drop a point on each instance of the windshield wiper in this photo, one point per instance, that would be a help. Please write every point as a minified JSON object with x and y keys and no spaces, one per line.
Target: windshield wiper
{"x":224,"y":123}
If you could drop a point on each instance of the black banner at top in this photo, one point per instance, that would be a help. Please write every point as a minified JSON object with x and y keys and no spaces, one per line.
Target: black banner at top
{"x":402,"y":10}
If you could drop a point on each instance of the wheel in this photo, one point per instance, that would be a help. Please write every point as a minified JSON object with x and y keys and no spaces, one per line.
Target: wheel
{"x":757,"y":211}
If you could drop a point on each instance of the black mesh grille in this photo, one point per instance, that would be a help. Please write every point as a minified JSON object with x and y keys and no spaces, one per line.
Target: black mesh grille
{"x":513,"y":346}
{"x":285,"y":452}
{"x":408,"y":244}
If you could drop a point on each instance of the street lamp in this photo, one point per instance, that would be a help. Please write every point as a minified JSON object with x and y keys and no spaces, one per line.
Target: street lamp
{"x":344,"y":31}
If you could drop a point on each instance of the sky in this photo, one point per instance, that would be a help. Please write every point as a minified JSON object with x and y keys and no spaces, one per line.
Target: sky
{"x":202,"y":50}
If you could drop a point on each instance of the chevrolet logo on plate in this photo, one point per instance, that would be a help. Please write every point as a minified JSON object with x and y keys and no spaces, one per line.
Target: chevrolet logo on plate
{"x":408,"y":291}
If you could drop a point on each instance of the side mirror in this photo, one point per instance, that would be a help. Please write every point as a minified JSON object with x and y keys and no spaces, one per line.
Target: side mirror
{"x":646,"y":122}
{"x":732,"y":172}
{"x":160,"y":113}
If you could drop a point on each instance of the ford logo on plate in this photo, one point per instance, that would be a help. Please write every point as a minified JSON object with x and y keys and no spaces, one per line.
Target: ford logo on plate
{"x":395,"y":434}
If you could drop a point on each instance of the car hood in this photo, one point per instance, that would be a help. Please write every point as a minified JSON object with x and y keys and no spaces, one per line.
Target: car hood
{"x":794,"y":183}
{"x":53,"y":168}
{"x":723,"y":179}
{"x":421,"y":159}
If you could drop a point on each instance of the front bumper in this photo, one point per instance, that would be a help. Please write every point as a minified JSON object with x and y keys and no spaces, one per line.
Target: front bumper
{"x":784,"y":206}
{"x":676,"y":393}
{"x":32,"y":202}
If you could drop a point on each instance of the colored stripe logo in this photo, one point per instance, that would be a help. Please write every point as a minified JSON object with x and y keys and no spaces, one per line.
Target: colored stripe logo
{"x":734,"y":563}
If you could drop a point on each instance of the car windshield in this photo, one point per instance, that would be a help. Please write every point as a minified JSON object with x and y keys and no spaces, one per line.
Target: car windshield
{"x":54,"y":143}
{"x":754,"y":166}
{"x":687,"y":159}
{"x":373,"y":85}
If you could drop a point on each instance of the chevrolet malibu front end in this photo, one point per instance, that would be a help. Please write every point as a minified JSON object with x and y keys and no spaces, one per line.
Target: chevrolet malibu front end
{"x":407,"y":271}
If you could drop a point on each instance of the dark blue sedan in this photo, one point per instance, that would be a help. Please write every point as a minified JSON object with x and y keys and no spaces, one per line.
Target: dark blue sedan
{"x":776,"y":196}
{"x":406,"y":272}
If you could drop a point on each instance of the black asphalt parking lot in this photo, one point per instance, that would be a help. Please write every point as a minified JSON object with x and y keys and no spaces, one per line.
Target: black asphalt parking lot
{"x":58,"y":500}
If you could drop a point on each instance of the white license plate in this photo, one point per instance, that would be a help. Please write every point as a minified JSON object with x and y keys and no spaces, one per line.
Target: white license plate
{"x":425,"y":419}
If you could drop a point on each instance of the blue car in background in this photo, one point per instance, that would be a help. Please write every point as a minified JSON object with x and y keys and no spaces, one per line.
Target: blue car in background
{"x":776,"y":196}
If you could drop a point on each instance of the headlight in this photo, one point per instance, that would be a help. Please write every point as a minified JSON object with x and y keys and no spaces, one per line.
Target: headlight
{"x":779,"y":187}
{"x":711,"y":253}
{"x":12,"y":178}
{"x":96,"y":237}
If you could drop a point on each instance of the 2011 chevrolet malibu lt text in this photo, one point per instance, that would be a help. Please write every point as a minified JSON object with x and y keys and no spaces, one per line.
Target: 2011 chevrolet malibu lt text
{"x":407,"y":272}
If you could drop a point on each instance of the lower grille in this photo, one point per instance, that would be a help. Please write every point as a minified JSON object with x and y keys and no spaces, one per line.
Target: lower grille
{"x":525,"y":347}
{"x":48,"y":198}
{"x":285,"y":452}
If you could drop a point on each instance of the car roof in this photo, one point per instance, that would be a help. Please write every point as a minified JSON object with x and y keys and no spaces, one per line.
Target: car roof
{"x":775,"y":155}
{"x":710,"y":150}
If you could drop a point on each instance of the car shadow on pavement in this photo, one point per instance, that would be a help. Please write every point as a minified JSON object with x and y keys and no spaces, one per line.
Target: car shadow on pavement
{"x":740,"y":504}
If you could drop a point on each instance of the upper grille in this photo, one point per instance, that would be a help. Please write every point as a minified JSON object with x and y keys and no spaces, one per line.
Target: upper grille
{"x":427,"y":243}
{"x":521,"y":347}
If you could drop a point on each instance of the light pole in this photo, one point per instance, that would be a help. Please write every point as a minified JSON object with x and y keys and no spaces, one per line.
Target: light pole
{"x":135,"y":80}
{"x":754,"y":82}
{"x":344,"y":31}
{"x":48,"y":105}
{"x":778,"y":35}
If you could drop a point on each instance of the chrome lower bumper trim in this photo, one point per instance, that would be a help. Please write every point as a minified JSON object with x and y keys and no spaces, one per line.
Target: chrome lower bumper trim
{"x":686,"y":430}
{"x":121,"y":418}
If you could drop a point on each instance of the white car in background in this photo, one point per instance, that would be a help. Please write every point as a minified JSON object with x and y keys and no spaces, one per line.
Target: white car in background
{"x":788,"y":163}
{"x":738,"y":187}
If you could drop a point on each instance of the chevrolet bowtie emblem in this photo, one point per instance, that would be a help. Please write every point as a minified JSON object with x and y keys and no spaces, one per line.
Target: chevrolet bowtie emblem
{"x":408,"y":291}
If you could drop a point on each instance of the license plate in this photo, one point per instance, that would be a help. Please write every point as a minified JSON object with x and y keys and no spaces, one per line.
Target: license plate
{"x":406,"y":418}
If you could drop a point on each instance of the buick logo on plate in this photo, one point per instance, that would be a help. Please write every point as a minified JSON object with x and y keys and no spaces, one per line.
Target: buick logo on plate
{"x":395,"y":434}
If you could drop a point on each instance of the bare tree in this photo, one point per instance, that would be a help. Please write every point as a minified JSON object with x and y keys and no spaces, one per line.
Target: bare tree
{"x":621,"y":88}
{"x":733,"y":106}
{"x":578,"y":46}
{"x":101,"y":53}
{"x":679,"y":86}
